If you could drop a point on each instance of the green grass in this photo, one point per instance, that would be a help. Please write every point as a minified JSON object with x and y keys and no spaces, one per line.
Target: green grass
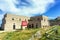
{"x":20,"y":35}
{"x":53,"y":35}
{"x":26,"y":34}
{"x":2,"y":35}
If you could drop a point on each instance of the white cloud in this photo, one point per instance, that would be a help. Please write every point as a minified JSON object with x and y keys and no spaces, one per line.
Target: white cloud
{"x":38,"y":6}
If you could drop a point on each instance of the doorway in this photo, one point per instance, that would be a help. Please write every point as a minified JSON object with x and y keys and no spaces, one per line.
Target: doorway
{"x":32,"y":26}
{"x":36,"y":25}
{"x":14,"y":26}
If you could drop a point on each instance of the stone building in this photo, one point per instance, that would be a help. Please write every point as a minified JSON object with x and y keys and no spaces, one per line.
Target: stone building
{"x":38,"y":21}
{"x":12,"y":22}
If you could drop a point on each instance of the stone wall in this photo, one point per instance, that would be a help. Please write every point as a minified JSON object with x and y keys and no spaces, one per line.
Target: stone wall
{"x":39,"y":21}
{"x":10,"y":20}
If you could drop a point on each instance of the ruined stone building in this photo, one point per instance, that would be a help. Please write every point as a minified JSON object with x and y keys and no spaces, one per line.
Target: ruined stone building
{"x":12,"y":22}
{"x":38,"y":21}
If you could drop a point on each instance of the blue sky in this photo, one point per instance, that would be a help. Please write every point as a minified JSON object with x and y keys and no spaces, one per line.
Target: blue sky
{"x":50,"y":8}
{"x":54,"y":11}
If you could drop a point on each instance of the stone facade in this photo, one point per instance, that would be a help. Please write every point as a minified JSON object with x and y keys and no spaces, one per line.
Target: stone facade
{"x":38,"y":21}
{"x":12,"y":22}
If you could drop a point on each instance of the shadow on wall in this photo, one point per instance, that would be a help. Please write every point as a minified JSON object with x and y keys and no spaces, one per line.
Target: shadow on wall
{"x":34,"y":22}
{"x":3,"y":22}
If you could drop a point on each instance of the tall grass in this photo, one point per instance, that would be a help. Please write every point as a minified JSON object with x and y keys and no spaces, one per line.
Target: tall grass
{"x":20,"y":35}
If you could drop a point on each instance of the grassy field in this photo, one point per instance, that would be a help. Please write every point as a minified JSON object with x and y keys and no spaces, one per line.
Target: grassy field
{"x":18,"y":35}
{"x":2,"y":35}
{"x":52,"y":34}
{"x":26,"y":34}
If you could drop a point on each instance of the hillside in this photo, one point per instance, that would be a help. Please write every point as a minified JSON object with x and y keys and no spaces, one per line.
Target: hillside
{"x":19,"y":34}
{"x":55,"y":21}
{"x":27,"y":34}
